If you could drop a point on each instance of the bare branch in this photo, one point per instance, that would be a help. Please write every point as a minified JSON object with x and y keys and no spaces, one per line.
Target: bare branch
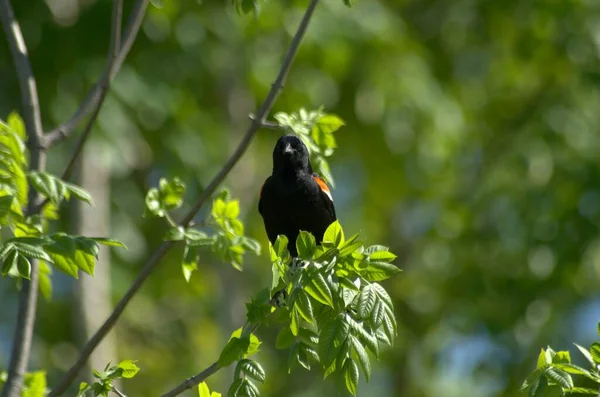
{"x":21,"y":347}
{"x":192,"y":381}
{"x":95,"y":97}
{"x":111,"y":59}
{"x":254,"y":126}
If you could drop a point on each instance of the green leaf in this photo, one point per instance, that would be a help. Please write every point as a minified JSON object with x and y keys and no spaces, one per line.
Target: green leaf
{"x":384,"y":256}
{"x":351,"y":376}
{"x":303,"y":357}
{"x":235,"y":388}
{"x":24,"y":267}
{"x":188,"y":265}
{"x":109,"y":242}
{"x":334,"y":234}
{"x":35,"y":384}
{"x":330,"y":123}
{"x":541,"y":361}
{"x":83,"y":387}
{"x":562,"y":357}
{"x":218,"y":209}
{"x":62,"y":251}
{"x":233,"y":351}
{"x":80,"y":193}
{"x":176,"y":233}
{"x":203,"y":390}
{"x":560,"y":377}
{"x":153,"y":203}
{"x":362,"y":356}
{"x":232,"y":209}
{"x":16,"y":124}
{"x":595,"y":352}
{"x":333,"y":334}
{"x":252,"y":369}
{"x":317,"y":288}
{"x":10,"y":262}
{"x":29,"y":250}
{"x":377,"y":314}
{"x":576,"y":370}
{"x":294,"y":321}
{"x":280,"y":247}
{"x":350,"y":246}
{"x":45,"y":282}
{"x":306,"y":245}
{"x":251,"y":245}
{"x":69,"y":253}
{"x":128,"y":369}
{"x":366,"y":302}
{"x":304,"y":307}
{"x":586,"y":354}
{"x":582,"y":390}
{"x":383,"y":295}
{"x":171,"y":193}
{"x":48,"y":186}
{"x":285,"y":339}
{"x":375,"y":248}
{"x":378,"y":271}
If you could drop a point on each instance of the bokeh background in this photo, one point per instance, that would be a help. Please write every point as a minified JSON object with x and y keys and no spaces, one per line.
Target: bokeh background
{"x":471,"y":149}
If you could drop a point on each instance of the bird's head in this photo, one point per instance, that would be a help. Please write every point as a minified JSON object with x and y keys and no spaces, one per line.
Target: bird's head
{"x":291,"y":155}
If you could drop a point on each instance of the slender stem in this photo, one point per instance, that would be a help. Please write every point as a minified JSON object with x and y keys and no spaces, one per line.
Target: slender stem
{"x":262,"y":114}
{"x":113,"y":53}
{"x":192,"y":381}
{"x":104,"y":84}
{"x":201,"y":377}
{"x":21,"y":347}
{"x":118,"y":392}
{"x":95,"y":97}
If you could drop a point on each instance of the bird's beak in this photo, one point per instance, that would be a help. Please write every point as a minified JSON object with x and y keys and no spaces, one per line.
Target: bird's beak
{"x":288,"y":149}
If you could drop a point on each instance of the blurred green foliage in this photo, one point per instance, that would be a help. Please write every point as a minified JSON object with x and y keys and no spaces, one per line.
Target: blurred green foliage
{"x":470,"y":148}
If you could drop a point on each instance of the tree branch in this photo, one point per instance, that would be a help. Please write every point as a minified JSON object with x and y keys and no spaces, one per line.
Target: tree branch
{"x":192,"y":381}
{"x":21,"y":347}
{"x":104,"y":84}
{"x":262,"y":114}
{"x":96,"y":96}
{"x":111,"y":60}
{"x":202,"y":376}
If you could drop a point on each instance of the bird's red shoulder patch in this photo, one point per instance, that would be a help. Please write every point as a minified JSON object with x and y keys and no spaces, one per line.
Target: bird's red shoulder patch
{"x":323,"y":186}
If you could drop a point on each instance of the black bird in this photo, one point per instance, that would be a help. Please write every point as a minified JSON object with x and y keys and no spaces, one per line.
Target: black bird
{"x":294,"y":197}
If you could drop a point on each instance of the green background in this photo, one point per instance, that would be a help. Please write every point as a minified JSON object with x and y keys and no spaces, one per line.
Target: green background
{"x":471,"y":149}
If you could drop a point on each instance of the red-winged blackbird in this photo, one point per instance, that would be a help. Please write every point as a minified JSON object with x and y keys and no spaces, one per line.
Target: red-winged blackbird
{"x":294,"y":198}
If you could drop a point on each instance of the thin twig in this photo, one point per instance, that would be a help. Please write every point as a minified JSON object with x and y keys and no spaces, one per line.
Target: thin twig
{"x":201,"y":377}
{"x":118,"y":392}
{"x":192,"y":381}
{"x":262,"y":114}
{"x":95,"y":97}
{"x":111,"y":59}
{"x":21,"y":347}
{"x":271,"y":125}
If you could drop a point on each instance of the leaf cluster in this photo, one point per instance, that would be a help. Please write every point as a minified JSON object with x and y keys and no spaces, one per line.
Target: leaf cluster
{"x":227,"y":240}
{"x":27,"y":235}
{"x":554,"y":372}
{"x":126,"y":369}
{"x":335,"y":311}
